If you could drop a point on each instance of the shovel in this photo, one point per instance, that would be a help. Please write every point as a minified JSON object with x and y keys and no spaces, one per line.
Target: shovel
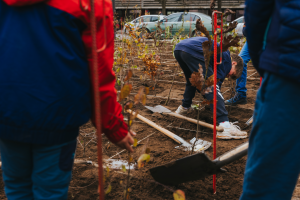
{"x":163,"y":110}
{"x":195,"y":167}
{"x":200,"y":145}
{"x":250,"y":121}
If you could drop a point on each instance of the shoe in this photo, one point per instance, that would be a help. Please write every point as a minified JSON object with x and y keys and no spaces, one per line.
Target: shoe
{"x":237,"y":99}
{"x":182,"y":110}
{"x":231,"y":131}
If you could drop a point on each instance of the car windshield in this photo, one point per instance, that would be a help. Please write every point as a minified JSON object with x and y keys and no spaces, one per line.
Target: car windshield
{"x":136,"y":20}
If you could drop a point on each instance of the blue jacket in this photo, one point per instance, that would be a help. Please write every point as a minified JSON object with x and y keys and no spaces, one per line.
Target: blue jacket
{"x":193,"y":46}
{"x":45,"y":85}
{"x":273,"y":35}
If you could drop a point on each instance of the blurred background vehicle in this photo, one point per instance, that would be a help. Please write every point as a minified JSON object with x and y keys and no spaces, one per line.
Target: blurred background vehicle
{"x":145,"y":19}
{"x":185,"y":20}
{"x":239,"y":28}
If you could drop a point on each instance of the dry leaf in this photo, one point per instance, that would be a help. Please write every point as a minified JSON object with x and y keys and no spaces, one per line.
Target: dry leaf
{"x":128,"y":105}
{"x":209,"y":81}
{"x":144,"y":158}
{"x":229,"y":41}
{"x":179,"y":195}
{"x":140,"y":97}
{"x":108,"y":189}
{"x":207,"y":102}
{"x":146,"y":90}
{"x":125,"y":91}
{"x":124,"y":168}
{"x":128,"y":76}
{"x":135,"y":143}
{"x":200,"y":27}
{"x":197,"y":78}
{"x":144,"y":99}
{"x":232,"y":26}
{"x":206,"y":46}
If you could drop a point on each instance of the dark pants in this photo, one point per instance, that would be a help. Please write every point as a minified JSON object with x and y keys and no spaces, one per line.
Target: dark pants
{"x":273,"y":163}
{"x":190,"y":64}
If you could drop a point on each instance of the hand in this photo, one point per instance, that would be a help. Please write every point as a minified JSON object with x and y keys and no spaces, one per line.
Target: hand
{"x":127,"y":141}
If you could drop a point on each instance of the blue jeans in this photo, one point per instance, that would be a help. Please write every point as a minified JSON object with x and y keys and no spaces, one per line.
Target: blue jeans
{"x":273,"y":163}
{"x":242,"y":81}
{"x":36,"y":171}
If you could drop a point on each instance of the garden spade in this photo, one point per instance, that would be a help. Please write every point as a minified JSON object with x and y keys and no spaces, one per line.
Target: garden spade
{"x":199,"y":145}
{"x":163,"y":110}
{"x":250,"y":121}
{"x":195,"y":167}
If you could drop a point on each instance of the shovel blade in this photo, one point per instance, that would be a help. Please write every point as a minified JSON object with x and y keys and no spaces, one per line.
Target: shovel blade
{"x":187,"y":169}
{"x":158,"y":109}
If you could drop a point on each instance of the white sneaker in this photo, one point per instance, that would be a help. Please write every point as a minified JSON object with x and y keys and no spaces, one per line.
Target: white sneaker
{"x":231,"y":131}
{"x":182,"y":110}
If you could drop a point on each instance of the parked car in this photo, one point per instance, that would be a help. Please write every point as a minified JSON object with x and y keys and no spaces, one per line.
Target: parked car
{"x":145,"y":19}
{"x":187,"y":20}
{"x":239,"y":28}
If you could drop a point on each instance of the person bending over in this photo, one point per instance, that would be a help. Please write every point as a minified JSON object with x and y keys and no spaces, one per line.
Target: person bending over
{"x":189,"y":54}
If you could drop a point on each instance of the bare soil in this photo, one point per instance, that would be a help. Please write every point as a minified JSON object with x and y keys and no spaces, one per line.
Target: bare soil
{"x":229,"y":184}
{"x":162,"y":149}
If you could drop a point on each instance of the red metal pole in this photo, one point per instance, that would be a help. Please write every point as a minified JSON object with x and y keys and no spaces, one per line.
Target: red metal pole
{"x":215,"y":26}
{"x":215,"y":95}
{"x":97,"y":103}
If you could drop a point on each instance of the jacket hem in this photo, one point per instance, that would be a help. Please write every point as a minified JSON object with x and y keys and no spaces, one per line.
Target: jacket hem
{"x":43,"y":137}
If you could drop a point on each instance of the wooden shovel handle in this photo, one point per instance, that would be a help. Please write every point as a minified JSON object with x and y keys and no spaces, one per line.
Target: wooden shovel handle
{"x":220,"y":129}
{"x":171,"y":135}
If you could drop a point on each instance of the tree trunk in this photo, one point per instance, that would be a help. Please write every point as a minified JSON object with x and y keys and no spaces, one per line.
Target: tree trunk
{"x":163,"y":4}
{"x":220,"y":5}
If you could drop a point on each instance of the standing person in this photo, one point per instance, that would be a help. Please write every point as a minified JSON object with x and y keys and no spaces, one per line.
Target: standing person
{"x":273,"y":163}
{"x":240,"y":96}
{"x":45,"y":92}
{"x":189,"y":54}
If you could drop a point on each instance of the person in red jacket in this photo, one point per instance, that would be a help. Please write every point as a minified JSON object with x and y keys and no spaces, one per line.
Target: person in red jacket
{"x":45,"y":85}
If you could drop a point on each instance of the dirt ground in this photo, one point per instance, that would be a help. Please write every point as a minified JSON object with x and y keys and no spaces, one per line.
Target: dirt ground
{"x":162,"y":149}
{"x":229,"y":184}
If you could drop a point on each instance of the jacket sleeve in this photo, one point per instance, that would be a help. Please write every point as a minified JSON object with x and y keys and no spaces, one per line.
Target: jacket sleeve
{"x":257,"y":16}
{"x":113,"y":124}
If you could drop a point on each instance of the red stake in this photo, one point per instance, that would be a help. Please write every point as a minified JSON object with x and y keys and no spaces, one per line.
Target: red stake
{"x":95,"y":84}
{"x":215,"y":16}
{"x":97,"y":103}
